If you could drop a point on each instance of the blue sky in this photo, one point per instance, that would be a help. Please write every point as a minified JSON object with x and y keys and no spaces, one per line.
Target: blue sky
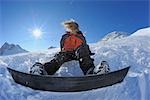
{"x":95,"y":17}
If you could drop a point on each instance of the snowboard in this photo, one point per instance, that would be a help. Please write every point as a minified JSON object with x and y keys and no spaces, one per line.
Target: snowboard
{"x":68,"y":84}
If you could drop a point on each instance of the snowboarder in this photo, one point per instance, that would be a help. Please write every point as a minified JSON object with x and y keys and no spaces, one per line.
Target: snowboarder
{"x":73,"y":47}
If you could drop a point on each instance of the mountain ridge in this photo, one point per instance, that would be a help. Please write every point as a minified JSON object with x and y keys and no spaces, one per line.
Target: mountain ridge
{"x":9,"y":49}
{"x":114,"y":35}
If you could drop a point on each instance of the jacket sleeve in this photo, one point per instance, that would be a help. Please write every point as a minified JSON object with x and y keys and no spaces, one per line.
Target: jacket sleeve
{"x":62,"y":41}
{"x":82,"y":37}
{"x":86,"y":45}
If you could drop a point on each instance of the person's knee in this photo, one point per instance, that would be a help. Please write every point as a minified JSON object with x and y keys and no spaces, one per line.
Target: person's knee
{"x":60,"y":57}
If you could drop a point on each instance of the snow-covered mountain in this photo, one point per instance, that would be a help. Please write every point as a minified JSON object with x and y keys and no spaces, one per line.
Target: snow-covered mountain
{"x":9,"y":49}
{"x":133,"y":50}
{"x":114,"y":35}
{"x":51,"y":47}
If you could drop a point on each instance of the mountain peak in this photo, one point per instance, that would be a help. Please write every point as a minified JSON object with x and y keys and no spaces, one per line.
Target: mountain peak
{"x":5,"y":45}
{"x":51,"y":47}
{"x":114,"y":35}
{"x":8,"y":49}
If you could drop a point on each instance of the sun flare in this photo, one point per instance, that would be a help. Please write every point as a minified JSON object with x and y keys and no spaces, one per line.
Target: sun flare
{"x":37,"y":33}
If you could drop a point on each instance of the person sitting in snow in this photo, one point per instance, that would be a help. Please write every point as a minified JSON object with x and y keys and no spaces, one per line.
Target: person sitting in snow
{"x":73,"y":47}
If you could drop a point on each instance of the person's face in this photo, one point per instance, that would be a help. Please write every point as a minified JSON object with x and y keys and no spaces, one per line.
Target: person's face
{"x":71,"y":26}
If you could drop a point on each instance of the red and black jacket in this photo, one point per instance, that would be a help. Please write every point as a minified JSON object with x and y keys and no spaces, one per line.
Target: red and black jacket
{"x":70,"y":42}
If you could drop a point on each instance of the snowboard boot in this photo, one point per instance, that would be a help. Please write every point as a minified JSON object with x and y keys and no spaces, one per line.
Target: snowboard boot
{"x":103,"y":68}
{"x":38,"y":69}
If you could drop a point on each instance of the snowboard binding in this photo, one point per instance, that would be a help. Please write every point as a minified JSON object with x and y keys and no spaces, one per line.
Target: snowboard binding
{"x":38,"y":69}
{"x":103,"y":68}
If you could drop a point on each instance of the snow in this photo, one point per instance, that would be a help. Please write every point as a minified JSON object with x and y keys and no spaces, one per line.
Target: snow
{"x":133,"y":50}
{"x":142,"y":32}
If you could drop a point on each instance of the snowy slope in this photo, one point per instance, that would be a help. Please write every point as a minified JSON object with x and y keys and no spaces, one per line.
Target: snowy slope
{"x":131,"y":50}
{"x":9,"y":49}
{"x":142,"y":32}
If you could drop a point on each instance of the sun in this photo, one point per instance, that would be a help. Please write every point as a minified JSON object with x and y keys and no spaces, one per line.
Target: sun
{"x":37,"y":33}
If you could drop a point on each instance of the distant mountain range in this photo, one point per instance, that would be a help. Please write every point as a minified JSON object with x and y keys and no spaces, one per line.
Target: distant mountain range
{"x":51,"y":47}
{"x":9,"y":49}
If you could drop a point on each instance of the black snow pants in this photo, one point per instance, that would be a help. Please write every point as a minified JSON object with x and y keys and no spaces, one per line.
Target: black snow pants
{"x":82,"y":54}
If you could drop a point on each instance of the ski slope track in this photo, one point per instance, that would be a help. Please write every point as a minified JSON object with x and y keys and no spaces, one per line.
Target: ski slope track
{"x":133,"y":50}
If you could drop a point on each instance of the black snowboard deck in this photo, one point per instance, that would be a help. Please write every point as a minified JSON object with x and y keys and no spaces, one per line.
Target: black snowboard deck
{"x":68,"y":84}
